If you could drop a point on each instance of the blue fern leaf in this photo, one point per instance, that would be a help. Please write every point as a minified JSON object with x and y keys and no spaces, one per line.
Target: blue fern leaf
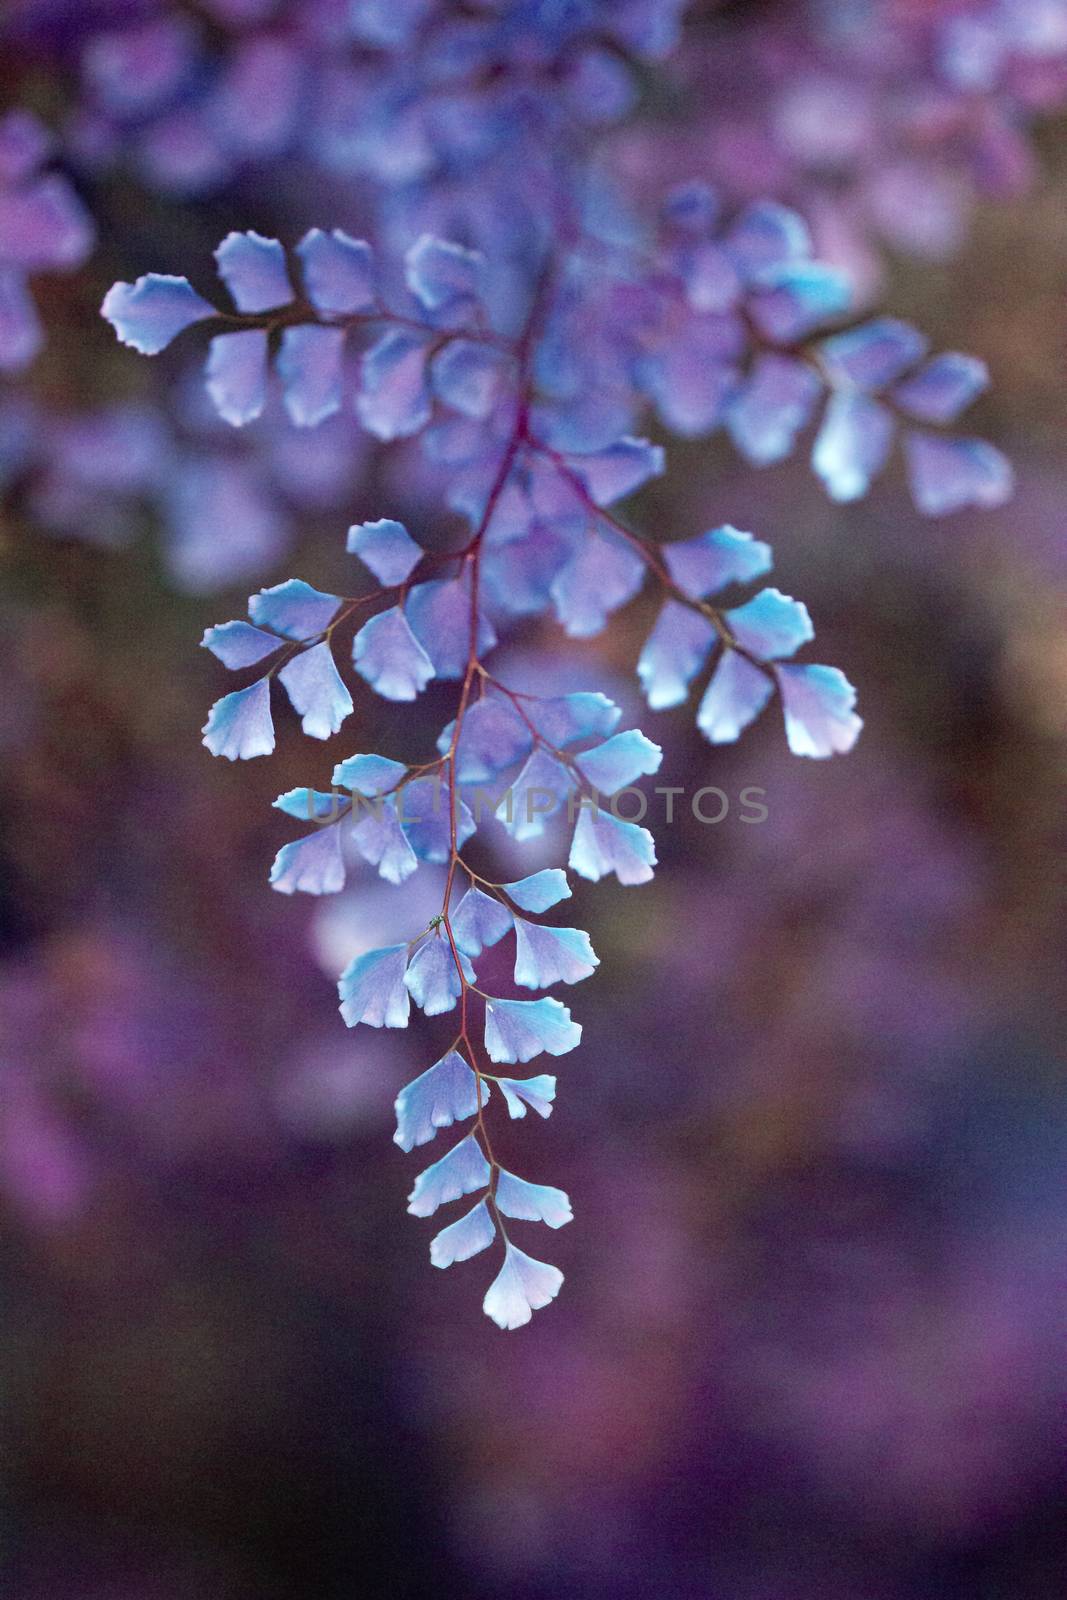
{"x":148,"y":314}
{"x":372,"y":988}
{"x":852,"y":445}
{"x":873,"y":355}
{"x":387,"y":654}
{"x":736,"y":694}
{"x":432,"y":979}
{"x":771,"y":625}
{"x":479,"y":922}
{"x":776,"y":401}
{"x":445,"y":277}
{"x":368,"y":775}
{"x":317,"y":692}
{"x":944,"y":387}
{"x":463,"y":1170}
{"x":293,"y":609}
{"x":818,"y":702}
{"x":338,"y":271}
{"x":239,"y":644}
{"x":439,"y":614}
{"x":446,"y":1093}
{"x":309,"y":805}
{"x":518,"y":1030}
{"x":540,"y":890}
{"x":394,"y":399}
{"x":465,"y":1238}
{"x":236,"y":375}
{"x":522,"y":1286}
{"x":951,"y":474}
{"x":603,"y":844}
{"x":386,"y":547}
{"x":310,"y":367}
{"x":253,"y":269}
{"x":539,"y":791}
{"x":673,"y":654}
{"x":537,"y":1092}
{"x":544,"y":955}
{"x":706,"y":564}
{"x":240,"y":726}
{"x":620,"y":761}
{"x":312,"y":865}
{"x":380,"y":839}
{"x":532,"y":1202}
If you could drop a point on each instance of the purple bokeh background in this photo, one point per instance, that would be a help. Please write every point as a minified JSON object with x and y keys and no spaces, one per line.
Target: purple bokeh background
{"x":811,"y":1341}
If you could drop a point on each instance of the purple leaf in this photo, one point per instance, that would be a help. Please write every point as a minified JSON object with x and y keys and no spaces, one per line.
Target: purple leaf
{"x":943,"y":388}
{"x":312,"y":865}
{"x":254,"y":271}
{"x":394,"y":398}
{"x":309,"y":365}
{"x":852,"y":444}
{"x":735,"y":696}
{"x":950,"y":474}
{"x":338,"y":271}
{"x":387,"y":548}
{"x":444,"y":276}
{"x":776,"y":401}
{"x":387,"y":654}
{"x":148,"y":314}
{"x":703,"y":565}
{"x":818,"y":702}
{"x":673,"y":654}
{"x":237,"y":375}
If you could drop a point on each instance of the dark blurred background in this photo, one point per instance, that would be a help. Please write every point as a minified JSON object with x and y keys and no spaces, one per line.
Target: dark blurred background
{"x":810,"y":1346}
